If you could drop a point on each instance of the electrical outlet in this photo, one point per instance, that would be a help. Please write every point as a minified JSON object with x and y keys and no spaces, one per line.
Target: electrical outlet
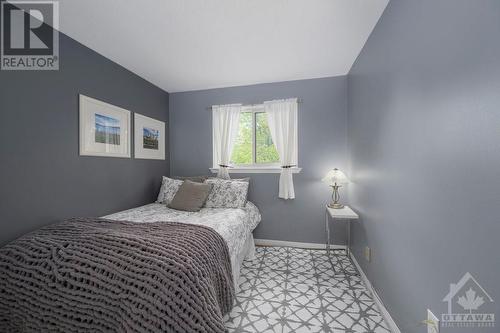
{"x":432,"y":322}
{"x":368,"y":254}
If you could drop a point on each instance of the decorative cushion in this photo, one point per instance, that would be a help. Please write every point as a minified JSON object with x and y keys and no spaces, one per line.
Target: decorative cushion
{"x":227,"y":193}
{"x":168,"y":189}
{"x":191,"y":196}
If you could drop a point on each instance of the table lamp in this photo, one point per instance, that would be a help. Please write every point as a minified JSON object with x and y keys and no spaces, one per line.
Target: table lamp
{"x":335,"y":178}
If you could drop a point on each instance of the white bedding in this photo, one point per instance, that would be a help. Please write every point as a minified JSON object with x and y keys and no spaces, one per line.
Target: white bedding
{"x":235,"y":225}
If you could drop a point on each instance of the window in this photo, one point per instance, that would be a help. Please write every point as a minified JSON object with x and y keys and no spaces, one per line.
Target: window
{"x":254,"y":145}
{"x":254,"y":150}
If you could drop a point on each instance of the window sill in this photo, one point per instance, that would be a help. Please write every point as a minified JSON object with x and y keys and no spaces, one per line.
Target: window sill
{"x":256,"y":170}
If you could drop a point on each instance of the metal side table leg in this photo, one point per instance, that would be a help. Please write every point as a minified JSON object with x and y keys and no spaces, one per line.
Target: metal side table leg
{"x":327,"y":228}
{"x":348,"y":247}
{"x":328,"y":246}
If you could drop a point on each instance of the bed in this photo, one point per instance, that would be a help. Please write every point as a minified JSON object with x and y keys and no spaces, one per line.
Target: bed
{"x":233,"y":224}
{"x":146,"y":269}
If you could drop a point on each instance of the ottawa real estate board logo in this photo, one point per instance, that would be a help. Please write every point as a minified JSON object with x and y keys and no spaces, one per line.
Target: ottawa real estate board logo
{"x":29,"y":35}
{"x":469,"y":305}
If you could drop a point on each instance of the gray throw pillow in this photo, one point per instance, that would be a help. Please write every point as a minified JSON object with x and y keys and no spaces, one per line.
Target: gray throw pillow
{"x":191,"y":196}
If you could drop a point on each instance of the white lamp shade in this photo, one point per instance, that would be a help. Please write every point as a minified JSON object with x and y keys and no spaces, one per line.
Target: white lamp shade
{"x":335,"y":176}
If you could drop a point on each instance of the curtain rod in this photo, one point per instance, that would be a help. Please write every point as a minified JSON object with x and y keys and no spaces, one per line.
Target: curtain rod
{"x":299,"y":101}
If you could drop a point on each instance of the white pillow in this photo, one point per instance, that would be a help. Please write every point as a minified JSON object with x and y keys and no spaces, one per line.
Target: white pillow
{"x":168,"y":189}
{"x":227,"y":193}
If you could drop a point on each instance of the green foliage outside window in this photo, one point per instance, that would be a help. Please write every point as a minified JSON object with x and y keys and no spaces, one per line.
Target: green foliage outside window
{"x":265,"y":150}
{"x":242,"y":151}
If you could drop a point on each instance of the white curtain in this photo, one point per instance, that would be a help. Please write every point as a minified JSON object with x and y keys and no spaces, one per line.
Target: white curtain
{"x":282,"y":119}
{"x":225,"y":130}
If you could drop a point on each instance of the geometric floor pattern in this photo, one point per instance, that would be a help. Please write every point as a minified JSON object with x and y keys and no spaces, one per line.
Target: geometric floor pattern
{"x":300,"y":290}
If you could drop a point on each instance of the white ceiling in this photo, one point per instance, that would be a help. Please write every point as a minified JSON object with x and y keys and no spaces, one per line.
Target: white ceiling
{"x":182,"y":45}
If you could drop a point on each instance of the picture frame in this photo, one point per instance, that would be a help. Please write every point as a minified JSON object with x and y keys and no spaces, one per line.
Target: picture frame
{"x":104,"y":129}
{"x":149,"y":138}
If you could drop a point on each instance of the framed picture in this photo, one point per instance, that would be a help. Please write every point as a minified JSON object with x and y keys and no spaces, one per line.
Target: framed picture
{"x":104,"y":129}
{"x":149,"y":138}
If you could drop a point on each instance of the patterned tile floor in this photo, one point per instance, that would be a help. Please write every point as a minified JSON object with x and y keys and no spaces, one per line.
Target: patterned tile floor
{"x":297,"y":290}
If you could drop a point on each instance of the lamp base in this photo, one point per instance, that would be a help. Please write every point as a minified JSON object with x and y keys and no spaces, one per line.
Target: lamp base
{"x":335,"y":206}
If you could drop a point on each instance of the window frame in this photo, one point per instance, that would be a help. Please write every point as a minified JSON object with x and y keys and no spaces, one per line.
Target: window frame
{"x":253,"y":167}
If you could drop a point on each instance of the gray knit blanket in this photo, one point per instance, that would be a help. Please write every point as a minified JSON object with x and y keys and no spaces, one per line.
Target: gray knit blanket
{"x":97,"y":275}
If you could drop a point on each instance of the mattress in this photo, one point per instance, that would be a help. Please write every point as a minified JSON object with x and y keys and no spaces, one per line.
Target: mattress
{"x":235,"y":225}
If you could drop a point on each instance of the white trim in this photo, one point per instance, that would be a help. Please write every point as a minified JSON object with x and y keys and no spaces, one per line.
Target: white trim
{"x":256,"y":170}
{"x":383,"y":310}
{"x":317,"y":246}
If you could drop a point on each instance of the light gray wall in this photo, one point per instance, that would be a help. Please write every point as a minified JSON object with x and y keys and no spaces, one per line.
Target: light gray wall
{"x":424,"y":137}
{"x":322,"y":145}
{"x":42,"y":177}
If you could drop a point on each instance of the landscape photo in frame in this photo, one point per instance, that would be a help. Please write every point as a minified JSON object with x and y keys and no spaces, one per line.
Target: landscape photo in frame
{"x":107,"y":130}
{"x":149,"y":138}
{"x":104,"y":129}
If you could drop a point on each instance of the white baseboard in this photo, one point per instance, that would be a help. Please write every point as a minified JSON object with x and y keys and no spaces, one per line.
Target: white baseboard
{"x":272,"y":242}
{"x":387,"y":316}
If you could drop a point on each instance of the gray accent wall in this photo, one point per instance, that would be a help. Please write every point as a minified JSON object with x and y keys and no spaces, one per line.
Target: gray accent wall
{"x":424,"y":138}
{"x":322,"y":145}
{"x":42,"y":177}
